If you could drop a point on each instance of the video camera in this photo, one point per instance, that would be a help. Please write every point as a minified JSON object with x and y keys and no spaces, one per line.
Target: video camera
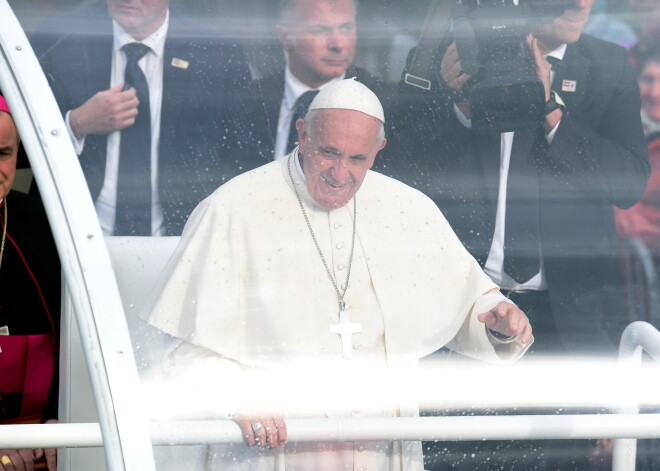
{"x":504,"y":92}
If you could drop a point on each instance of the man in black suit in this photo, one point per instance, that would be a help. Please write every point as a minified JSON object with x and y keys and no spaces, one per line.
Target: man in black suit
{"x":556,"y":222}
{"x":154,"y":138}
{"x":534,"y":206}
{"x":318,"y":37}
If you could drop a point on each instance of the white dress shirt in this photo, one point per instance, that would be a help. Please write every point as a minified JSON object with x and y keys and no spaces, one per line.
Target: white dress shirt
{"x":293,"y":89}
{"x":152,"y":67}
{"x":494,"y":266}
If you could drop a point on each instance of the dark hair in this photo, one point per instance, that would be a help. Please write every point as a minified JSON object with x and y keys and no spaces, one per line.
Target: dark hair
{"x":651,"y":54}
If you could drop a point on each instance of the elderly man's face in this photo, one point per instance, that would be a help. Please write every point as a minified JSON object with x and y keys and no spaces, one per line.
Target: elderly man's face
{"x":649,"y":88}
{"x":8,"y":152}
{"x":565,"y":29}
{"x":320,"y":42}
{"x":139,"y":18}
{"x":337,"y":148}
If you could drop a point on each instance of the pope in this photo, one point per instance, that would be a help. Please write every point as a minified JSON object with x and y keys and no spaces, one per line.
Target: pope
{"x":314,"y":259}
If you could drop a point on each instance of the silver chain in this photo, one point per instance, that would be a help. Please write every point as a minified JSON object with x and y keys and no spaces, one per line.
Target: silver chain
{"x":340,"y":296}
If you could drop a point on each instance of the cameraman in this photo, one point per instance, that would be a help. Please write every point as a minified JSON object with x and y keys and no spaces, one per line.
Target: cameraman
{"x":534,"y":206}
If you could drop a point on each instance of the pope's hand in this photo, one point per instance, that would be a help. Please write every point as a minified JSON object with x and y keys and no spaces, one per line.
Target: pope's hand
{"x":508,"y":320}
{"x":267,"y":431}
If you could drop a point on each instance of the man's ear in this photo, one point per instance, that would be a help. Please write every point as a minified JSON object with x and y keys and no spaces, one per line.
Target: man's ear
{"x":380,"y":147}
{"x":382,"y":144}
{"x":302,"y":132}
{"x":283,"y":35}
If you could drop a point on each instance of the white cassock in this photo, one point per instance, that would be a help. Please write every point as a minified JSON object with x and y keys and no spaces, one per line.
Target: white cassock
{"x":247,"y":283}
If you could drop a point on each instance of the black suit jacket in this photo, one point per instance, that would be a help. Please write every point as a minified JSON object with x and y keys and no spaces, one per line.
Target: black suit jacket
{"x":597,"y":159}
{"x":268,"y":93}
{"x":201,"y":145}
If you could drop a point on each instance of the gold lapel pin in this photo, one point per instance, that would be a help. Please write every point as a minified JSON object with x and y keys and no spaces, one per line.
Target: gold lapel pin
{"x":180,"y":63}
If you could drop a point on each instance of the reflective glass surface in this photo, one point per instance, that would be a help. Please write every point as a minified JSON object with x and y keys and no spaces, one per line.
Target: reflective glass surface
{"x":532,"y":145}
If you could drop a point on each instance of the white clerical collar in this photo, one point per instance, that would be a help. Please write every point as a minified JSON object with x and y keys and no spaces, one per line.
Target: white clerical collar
{"x":155,"y":41}
{"x":294,"y":88}
{"x":557,"y":53}
{"x":299,"y":169}
{"x":292,"y":162}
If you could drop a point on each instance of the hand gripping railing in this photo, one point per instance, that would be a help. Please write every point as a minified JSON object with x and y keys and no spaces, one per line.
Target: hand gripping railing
{"x":637,"y":337}
{"x":590,"y":383}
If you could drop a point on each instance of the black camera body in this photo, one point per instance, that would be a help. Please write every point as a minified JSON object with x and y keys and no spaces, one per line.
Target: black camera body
{"x":504,"y":92}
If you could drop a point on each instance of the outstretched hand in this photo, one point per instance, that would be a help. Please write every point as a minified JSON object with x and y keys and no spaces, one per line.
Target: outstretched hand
{"x":507,"y":319}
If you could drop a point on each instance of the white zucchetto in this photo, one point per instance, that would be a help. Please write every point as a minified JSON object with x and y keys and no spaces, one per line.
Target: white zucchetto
{"x":349,"y":94}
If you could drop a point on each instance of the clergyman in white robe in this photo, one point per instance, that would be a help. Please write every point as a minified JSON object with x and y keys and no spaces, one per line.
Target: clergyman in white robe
{"x":247,"y":285}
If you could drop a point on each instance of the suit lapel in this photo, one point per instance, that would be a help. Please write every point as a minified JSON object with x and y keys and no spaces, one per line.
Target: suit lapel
{"x":488,"y":155}
{"x":571,"y":77}
{"x":272,"y":93}
{"x":95,"y":64}
{"x":102,"y":72}
{"x":178,"y":68}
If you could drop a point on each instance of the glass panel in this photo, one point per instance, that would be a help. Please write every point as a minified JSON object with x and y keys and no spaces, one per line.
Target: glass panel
{"x":87,"y":293}
{"x":533,"y":149}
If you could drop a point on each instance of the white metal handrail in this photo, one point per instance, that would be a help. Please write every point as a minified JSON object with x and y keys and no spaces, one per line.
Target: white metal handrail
{"x":452,"y":428}
{"x":637,"y":337}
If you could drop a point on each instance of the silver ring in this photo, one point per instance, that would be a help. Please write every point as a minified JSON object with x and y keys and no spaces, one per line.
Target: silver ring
{"x":256,"y":426}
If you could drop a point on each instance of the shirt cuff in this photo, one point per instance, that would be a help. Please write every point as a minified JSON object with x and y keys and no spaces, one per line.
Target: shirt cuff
{"x":498,"y":339}
{"x":551,"y":134}
{"x":461,"y":117}
{"x":78,"y":144}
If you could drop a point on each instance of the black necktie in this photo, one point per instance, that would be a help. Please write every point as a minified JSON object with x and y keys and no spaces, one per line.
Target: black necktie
{"x":521,"y":229}
{"x":133,"y":215}
{"x":302,"y":105}
{"x":554,"y":61}
{"x":522,"y":256}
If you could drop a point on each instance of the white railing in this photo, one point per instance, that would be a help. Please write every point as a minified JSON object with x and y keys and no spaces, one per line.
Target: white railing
{"x":637,"y":338}
{"x":458,"y":428}
{"x":525,"y":384}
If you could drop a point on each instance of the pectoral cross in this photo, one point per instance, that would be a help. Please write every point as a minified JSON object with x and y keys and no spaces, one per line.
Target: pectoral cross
{"x":345,"y":329}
